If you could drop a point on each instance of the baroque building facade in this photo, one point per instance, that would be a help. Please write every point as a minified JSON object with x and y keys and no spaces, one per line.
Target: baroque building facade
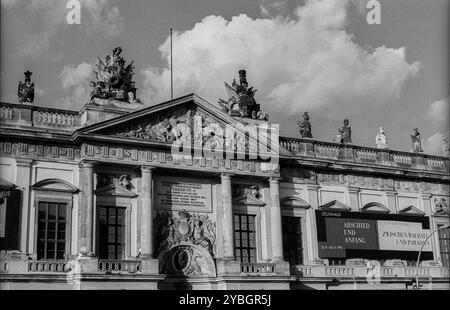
{"x":97,"y":198}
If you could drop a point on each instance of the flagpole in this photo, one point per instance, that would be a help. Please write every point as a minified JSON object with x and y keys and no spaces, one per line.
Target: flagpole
{"x":171,"y":67}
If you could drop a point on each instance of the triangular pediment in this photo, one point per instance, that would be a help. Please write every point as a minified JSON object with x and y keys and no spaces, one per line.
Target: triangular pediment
{"x":411,"y":210}
{"x":188,"y":119}
{"x":335,"y":205}
{"x":115,"y":190}
{"x":6,"y":184}
{"x":248,"y":200}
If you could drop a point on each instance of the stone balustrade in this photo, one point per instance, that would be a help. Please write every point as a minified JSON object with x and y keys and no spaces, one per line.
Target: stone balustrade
{"x":305,"y":271}
{"x":29,"y":115}
{"x":50,"y":266}
{"x":55,"y":118}
{"x":119,"y":266}
{"x":308,"y":148}
{"x":6,"y":112}
{"x":257,"y":268}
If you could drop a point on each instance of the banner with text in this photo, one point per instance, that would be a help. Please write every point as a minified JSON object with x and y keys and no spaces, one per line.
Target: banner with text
{"x":402,"y":236}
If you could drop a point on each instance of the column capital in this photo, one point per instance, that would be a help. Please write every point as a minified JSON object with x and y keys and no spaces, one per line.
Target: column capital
{"x":24,"y":161}
{"x":354,"y":190}
{"x":148,"y":169}
{"x":87,"y":164}
{"x":275,"y":179}
{"x":226,"y":175}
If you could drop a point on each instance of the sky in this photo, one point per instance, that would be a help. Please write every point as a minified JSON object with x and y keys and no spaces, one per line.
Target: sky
{"x":320,"y":56}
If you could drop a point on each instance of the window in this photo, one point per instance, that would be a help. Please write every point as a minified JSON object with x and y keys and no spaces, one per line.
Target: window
{"x":444,"y":245}
{"x":111,"y":233}
{"x":292,"y":240}
{"x":244,"y":238}
{"x":52,"y":220}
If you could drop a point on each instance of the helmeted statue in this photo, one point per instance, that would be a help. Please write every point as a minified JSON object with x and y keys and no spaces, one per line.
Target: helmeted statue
{"x":25,"y":90}
{"x":416,"y":143}
{"x":241,"y":101}
{"x":305,"y":126}
{"x":113,"y":79}
{"x":381,"y":140}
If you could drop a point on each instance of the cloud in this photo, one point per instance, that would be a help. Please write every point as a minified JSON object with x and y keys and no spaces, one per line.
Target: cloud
{"x":47,"y":18}
{"x":76,"y":81}
{"x":439,"y":110}
{"x":433,"y":144}
{"x":305,"y":62}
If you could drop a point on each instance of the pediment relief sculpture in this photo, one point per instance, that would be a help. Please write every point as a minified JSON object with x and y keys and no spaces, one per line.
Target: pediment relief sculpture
{"x":104,"y":180}
{"x":187,"y":126}
{"x":440,"y":207}
{"x":245,"y":190}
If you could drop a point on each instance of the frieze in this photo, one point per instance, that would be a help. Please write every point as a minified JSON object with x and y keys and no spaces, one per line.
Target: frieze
{"x":39,"y":150}
{"x":360,"y":181}
{"x":126,"y":154}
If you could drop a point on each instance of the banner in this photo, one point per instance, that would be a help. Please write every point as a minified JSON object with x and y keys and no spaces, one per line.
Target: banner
{"x":346,"y":233}
{"x":402,"y":236}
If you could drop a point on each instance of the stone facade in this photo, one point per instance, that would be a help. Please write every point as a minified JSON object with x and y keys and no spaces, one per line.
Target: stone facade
{"x":179,"y":212}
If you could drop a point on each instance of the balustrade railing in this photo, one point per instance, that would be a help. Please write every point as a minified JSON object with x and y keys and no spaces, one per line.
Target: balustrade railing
{"x":50,"y":266}
{"x":119,"y":266}
{"x":257,"y":268}
{"x":366,"y":155}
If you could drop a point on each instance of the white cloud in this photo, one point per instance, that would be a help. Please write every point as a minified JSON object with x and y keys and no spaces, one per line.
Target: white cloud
{"x":433,"y":144}
{"x":439,"y":110}
{"x":301,"y":63}
{"x":76,"y":81}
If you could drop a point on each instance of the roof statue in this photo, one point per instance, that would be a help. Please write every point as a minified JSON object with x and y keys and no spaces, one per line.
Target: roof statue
{"x":416,"y":143}
{"x":445,"y":147}
{"x":344,"y":135}
{"x":381,"y":140}
{"x":25,"y":90}
{"x":305,"y":126}
{"x":241,"y":101}
{"x":114,"y":80}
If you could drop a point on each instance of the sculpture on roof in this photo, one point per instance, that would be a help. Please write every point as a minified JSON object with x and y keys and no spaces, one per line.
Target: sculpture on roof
{"x":241,"y":101}
{"x":25,"y":91}
{"x":445,"y":147}
{"x":344,"y":135}
{"x":416,"y":143}
{"x":381,"y":140}
{"x":305,"y":126}
{"x":114,"y":80}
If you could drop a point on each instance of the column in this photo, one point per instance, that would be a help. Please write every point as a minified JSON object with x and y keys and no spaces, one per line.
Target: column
{"x":23,"y":180}
{"x":86,"y":214}
{"x":227,"y":218}
{"x":312,"y":191}
{"x":353,"y":200}
{"x":147,"y":213}
{"x":275,"y":220}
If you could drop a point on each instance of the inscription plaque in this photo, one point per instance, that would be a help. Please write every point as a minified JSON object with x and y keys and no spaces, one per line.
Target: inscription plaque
{"x":172,"y":193}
